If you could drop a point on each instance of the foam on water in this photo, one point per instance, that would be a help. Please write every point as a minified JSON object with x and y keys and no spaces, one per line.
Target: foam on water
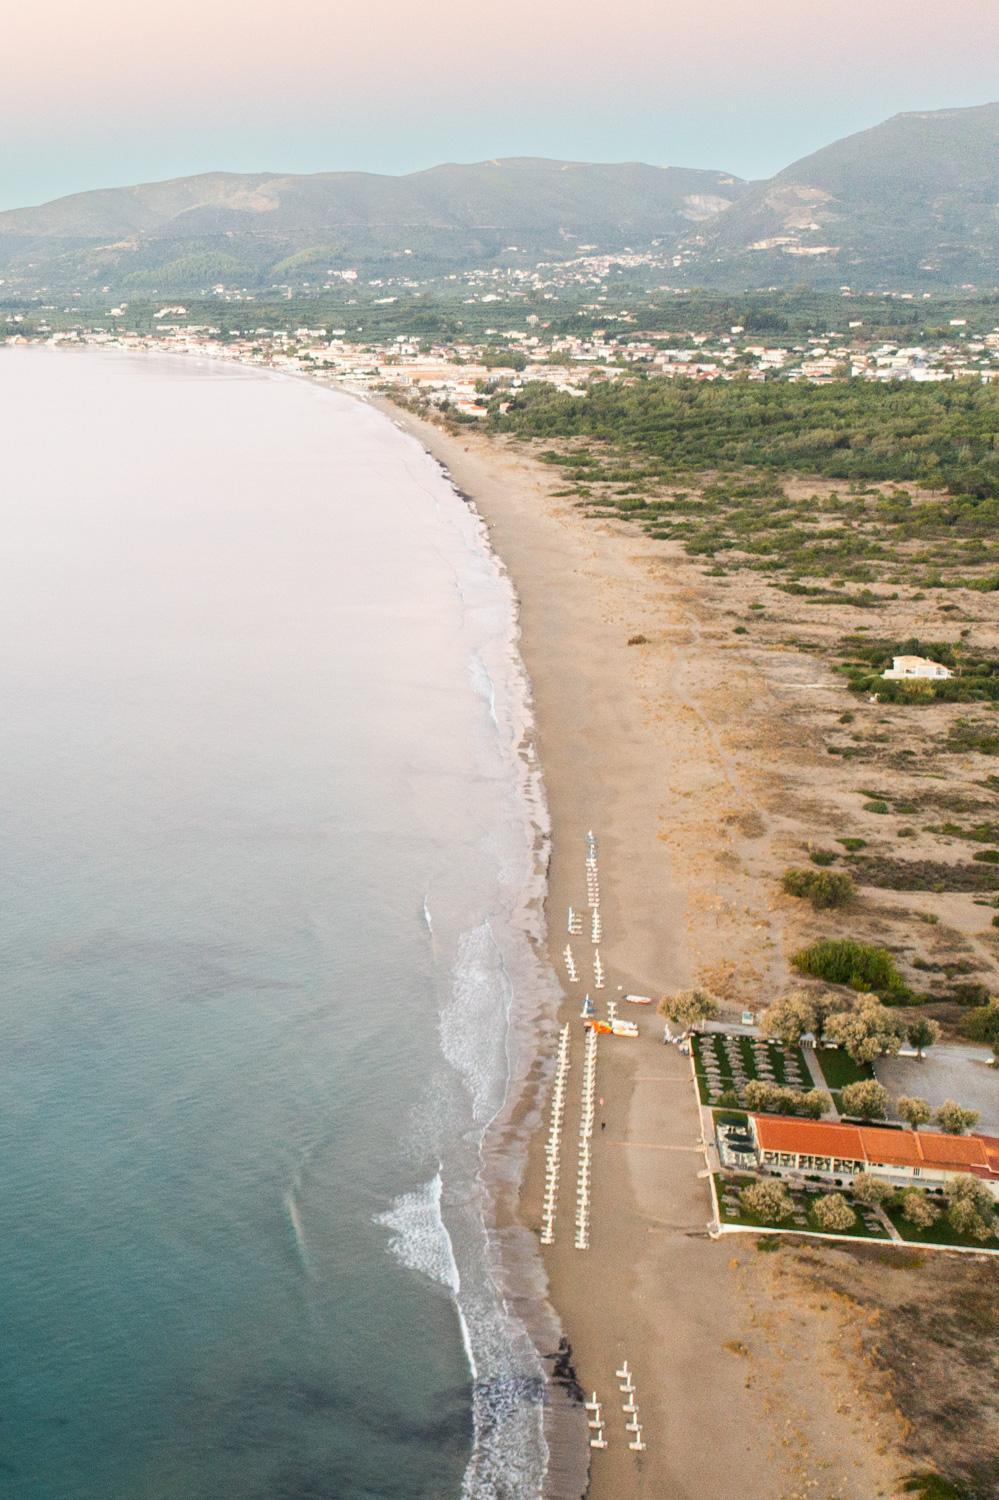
{"x":483,"y":684}
{"x":420,"y":1240}
{"x":473,"y":1022}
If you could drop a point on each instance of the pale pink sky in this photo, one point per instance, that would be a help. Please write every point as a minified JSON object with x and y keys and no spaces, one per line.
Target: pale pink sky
{"x":103,"y":92}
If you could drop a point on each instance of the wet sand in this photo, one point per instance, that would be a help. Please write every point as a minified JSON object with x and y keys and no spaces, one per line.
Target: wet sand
{"x":667,"y":750}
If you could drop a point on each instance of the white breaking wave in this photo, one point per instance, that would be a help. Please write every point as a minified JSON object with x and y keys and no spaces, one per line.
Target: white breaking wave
{"x":420,"y":1240}
{"x":428,"y":919}
{"x":473,"y":1023}
{"x":483,"y":684}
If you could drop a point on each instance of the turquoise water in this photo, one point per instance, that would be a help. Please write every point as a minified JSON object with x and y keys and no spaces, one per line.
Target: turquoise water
{"x":264,"y":846}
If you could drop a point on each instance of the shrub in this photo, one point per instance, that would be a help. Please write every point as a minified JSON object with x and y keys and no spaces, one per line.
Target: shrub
{"x":833,"y":1213}
{"x":876,"y":807}
{"x":767,"y":1200}
{"x":823,"y":888}
{"x":982,"y":1023}
{"x":823,"y":857}
{"x":852,"y":845}
{"x":638,"y":640}
{"x":728,"y":1099}
{"x":844,"y":961}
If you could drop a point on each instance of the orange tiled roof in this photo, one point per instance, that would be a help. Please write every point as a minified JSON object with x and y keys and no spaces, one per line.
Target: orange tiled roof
{"x":869,"y":1143}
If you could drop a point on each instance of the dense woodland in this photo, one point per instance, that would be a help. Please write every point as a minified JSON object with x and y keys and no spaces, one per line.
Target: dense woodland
{"x":941,"y":435}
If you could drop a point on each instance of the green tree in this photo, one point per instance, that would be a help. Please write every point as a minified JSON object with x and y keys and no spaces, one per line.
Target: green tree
{"x":971,"y":1209}
{"x":871,"y":1190}
{"x":769,"y":1201}
{"x":833,"y":1213}
{"x":815,"y":1103}
{"x":791,"y":1015}
{"x":914,"y":1112}
{"x":867,"y":1099}
{"x":868,"y":1031}
{"x":761,"y":1095}
{"x":955,"y":1120}
{"x":917,"y":1208}
{"x":689,"y":1007}
{"x":922,"y":1033}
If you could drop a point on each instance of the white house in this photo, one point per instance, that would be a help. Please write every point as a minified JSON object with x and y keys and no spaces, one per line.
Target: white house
{"x":916,"y":666}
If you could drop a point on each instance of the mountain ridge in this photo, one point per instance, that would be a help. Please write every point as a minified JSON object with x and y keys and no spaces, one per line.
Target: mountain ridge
{"x":912,"y":200}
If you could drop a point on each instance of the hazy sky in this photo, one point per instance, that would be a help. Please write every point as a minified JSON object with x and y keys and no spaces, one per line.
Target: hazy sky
{"x":105,"y":92}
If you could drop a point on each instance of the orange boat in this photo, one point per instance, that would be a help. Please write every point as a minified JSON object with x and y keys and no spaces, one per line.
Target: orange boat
{"x":595,"y":1025}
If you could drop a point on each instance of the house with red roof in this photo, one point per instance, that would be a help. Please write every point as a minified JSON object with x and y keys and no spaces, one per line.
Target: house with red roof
{"x":904,"y":1158}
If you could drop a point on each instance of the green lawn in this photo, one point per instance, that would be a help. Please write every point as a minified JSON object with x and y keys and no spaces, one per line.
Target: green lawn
{"x":839,"y":1069}
{"x":939,"y":1233}
{"x":802,"y":1201}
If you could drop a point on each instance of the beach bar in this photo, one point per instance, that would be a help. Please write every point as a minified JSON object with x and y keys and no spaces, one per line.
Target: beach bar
{"x":906,"y":1158}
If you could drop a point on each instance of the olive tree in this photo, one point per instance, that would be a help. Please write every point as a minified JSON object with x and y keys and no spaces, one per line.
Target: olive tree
{"x":767,"y":1200}
{"x":688,"y":1007}
{"x":914,"y":1112}
{"x":867,"y":1031}
{"x":917,"y":1209}
{"x":868,"y":1099}
{"x":971,"y":1209}
{"x":791,"y":1015}
{"x":833,"y":1213}
{"x":922,"y":1033}
{"x":871,"y":1191}
{"x":955,"y":1120}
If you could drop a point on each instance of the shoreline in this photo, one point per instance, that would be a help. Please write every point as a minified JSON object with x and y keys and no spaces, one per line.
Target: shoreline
{"x":510,"y":1139}
{"x":625,"y":747}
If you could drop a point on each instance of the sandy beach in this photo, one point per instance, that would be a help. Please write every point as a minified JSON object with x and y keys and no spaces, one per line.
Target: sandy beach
{"x":747,"y":1384}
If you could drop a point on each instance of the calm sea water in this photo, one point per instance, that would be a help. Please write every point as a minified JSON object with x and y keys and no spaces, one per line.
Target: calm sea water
{"x":265,"y":842}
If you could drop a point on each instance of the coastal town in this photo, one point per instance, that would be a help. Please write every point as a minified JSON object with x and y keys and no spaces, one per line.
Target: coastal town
{"x":465,"y":343}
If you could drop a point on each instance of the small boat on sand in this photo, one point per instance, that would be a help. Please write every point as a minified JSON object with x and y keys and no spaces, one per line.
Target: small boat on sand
{"x":639,"y":999}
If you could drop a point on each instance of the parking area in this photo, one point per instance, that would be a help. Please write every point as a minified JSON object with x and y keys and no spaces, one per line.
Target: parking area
{"x":959,"y":1073}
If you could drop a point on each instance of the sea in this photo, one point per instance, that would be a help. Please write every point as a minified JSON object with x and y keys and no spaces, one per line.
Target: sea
{"x":272,"y":845}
